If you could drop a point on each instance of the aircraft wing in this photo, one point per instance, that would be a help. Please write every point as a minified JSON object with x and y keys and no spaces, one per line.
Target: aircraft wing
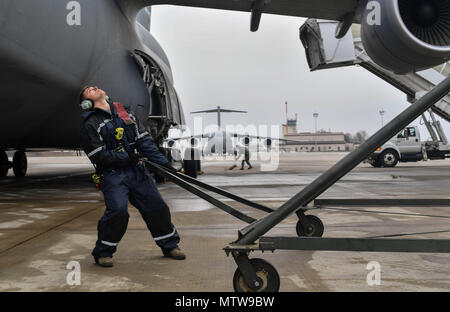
{"x":200,"y":136}
{"x":322,"y":9}
{"x":221,"y":110}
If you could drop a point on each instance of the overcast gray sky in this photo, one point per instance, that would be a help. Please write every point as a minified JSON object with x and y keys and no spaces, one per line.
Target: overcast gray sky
{"x":217,"y":61}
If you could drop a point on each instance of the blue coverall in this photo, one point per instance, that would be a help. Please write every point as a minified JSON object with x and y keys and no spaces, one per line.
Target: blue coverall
{"x":123,"y":181}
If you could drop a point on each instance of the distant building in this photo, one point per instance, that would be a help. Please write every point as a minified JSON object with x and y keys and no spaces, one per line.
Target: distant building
{"x":321,"y":141}
{"x":316,"y":142}
{"x":291,"y":127}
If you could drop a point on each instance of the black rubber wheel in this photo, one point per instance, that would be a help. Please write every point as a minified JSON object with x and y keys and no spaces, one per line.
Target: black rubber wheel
{"x":314,"y":229}
{"x":389,"y":158}
{"x":265,"y":271}
{"x":4,"y":161}
{"x":20,"y":164}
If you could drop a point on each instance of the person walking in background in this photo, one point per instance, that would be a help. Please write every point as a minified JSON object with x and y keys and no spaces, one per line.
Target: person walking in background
{"x":244,"y":152}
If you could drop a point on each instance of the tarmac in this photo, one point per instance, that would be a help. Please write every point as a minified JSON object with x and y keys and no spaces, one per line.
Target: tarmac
{"x":48,"y":222}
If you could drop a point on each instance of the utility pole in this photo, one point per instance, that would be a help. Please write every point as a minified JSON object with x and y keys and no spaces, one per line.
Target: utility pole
{"x":287,"y":118}
{"x":316,"y":116}
{"x":382,"y":112}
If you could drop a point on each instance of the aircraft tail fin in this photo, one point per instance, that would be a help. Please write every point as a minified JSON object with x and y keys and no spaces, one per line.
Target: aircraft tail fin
{"x":221,"y":110}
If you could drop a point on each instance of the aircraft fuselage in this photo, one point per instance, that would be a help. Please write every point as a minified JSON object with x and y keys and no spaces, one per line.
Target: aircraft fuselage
{"x":44,"y":62}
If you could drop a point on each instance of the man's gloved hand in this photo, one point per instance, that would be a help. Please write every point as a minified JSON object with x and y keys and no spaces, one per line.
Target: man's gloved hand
{"x":135,"y":158}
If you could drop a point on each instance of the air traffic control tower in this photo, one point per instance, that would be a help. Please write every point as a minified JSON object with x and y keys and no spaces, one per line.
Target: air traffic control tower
{"x":291,"y":126}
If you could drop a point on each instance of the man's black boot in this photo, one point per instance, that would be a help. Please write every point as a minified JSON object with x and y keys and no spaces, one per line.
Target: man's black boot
{"x":106,"y":262}
{"x":176,"y":254}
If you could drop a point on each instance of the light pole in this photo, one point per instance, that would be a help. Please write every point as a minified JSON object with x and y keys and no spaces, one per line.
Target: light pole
{"x":316,"y":116}
{"x":382,"y":112}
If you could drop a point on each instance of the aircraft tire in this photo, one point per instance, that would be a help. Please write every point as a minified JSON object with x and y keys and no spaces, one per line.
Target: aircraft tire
{"x":20,"y":164}
{"x":3,"y":161}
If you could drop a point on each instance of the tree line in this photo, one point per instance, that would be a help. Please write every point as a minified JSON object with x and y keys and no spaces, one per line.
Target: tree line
{"x":357,"y":138}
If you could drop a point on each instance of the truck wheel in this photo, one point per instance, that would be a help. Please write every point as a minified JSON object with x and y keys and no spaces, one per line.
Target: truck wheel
{"x":389,"y":158}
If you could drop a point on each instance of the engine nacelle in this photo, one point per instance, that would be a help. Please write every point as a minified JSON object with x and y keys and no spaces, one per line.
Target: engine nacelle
{"x":407,"y":35}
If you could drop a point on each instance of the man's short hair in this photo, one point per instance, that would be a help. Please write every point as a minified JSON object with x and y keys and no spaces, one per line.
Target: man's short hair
{"x":82,"y":98}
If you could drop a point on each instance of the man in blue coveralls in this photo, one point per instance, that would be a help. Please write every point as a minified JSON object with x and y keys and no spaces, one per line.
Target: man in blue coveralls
{"x":115,"y":141}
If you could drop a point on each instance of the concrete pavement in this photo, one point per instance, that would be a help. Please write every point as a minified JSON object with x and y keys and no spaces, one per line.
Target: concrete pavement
{"x":49,"y":219}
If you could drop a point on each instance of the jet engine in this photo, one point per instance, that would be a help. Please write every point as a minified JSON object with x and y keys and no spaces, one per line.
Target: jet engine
{"x":407,"y":35}
{"x":171,"y":143}
{"x":268,"y":143}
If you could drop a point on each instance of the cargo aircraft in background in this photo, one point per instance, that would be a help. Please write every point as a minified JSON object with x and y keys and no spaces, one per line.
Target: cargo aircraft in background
{"x":221,"y":141}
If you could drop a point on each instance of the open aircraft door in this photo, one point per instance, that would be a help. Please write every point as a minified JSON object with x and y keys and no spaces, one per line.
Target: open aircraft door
{"x":165,"y":109}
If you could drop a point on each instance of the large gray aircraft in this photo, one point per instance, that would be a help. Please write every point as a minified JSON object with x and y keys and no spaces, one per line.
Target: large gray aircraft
{"x":50,"y":49}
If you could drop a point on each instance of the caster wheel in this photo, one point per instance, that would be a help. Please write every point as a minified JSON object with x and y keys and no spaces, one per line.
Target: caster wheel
{"x":314,"y":229}
{"x":4,"y":161}
{"x":20,"y":164}
{"x":265,"y":271}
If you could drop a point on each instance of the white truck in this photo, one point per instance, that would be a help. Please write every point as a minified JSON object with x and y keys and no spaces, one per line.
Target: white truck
{"x":408,"y":147}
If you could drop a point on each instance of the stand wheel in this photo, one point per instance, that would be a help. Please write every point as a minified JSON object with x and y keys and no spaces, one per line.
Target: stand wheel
{"x":4,"y":162}
{"x":265,"y":271}
{"x":20,"y":164}
{"x":314,"y":229}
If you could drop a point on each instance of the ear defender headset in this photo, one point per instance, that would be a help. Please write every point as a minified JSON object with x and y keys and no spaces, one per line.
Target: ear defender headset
{"x":86,"y":104}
